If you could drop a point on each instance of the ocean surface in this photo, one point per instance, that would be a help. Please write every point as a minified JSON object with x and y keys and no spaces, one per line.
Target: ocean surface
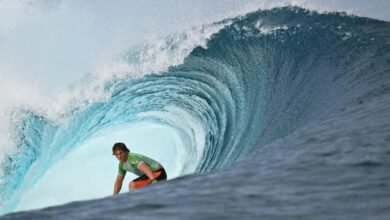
{"x":280,"y":114}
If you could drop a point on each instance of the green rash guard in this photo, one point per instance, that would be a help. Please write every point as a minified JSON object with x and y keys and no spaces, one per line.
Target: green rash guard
{"x":132,"y":163}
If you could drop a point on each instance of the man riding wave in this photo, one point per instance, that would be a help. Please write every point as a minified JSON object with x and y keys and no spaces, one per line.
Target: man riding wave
{"x":148,"y":170}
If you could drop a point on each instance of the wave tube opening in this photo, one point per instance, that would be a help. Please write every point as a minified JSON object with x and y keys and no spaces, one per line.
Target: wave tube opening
{"x":88,"y":172}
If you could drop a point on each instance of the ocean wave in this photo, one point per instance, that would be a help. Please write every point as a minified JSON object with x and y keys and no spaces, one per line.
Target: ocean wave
{"x":251,"y":81}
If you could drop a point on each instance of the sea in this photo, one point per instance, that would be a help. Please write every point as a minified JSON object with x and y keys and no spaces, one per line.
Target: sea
{"x":280,"y":113}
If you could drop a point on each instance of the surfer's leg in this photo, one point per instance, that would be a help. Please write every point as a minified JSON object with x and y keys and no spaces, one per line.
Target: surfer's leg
{"x":144,"y":180}
{"x":139,"y":182}
{"x":132,"y":186}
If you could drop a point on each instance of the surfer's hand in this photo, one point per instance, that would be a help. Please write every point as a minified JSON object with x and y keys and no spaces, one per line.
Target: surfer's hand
{"x":154,"y":181}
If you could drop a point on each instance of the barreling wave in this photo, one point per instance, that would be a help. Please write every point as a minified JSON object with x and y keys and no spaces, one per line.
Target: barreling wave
{"x":260,"y":77}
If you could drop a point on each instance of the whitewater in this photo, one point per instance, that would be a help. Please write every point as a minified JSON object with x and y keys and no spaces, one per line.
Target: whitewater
{"x":260,"y":112}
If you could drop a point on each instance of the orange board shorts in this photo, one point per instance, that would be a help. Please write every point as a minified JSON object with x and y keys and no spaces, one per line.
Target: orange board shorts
{"x":143,"y":180}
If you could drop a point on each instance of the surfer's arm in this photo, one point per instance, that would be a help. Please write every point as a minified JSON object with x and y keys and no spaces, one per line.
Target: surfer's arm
{"x":118,"y":183}
{"x":146,"y":170}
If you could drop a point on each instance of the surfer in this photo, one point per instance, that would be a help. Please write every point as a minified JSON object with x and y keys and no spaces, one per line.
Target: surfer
{"x":148,"y":170}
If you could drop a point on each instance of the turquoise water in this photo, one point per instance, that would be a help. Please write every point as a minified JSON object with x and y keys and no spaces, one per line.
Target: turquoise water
{"x":259,"y":78}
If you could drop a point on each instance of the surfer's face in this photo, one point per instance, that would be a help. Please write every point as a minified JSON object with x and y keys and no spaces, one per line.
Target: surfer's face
{"x":120,"y":155}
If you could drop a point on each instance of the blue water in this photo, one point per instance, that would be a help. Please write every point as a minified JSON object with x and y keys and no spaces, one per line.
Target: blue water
{"x":284,"y":114}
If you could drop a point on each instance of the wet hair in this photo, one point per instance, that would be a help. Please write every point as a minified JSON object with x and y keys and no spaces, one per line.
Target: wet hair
{"x":120,"y":146}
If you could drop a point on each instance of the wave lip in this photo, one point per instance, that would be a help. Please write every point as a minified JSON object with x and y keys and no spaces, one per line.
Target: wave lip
{"x":99,"y":101}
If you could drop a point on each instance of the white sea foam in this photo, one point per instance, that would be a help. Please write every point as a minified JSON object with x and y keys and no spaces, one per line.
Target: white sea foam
{"x":22,"y":88}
